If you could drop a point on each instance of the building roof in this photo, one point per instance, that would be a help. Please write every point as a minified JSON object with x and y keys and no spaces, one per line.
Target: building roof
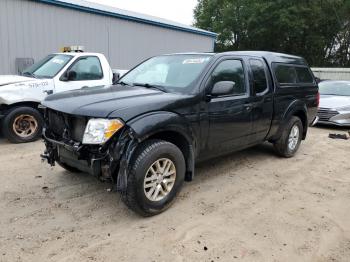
{"x":96,"y":8}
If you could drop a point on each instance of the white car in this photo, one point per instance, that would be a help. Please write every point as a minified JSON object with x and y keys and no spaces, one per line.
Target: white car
{"x":334,"y":103}
{"x":20,"y":95}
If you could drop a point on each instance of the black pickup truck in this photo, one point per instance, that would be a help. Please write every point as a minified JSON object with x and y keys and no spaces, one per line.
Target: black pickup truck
{"x":147,"y":132}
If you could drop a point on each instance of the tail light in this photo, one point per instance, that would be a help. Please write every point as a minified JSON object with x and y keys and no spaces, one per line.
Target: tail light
{"x":318,"y":99}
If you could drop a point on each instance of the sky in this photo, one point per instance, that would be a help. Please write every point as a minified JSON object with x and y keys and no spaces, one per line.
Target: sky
{"x":180,"y":11}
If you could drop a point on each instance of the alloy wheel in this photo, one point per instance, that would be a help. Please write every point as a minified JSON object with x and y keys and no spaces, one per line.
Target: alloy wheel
{"x":159,"y":179}
{"x":293,"y":138}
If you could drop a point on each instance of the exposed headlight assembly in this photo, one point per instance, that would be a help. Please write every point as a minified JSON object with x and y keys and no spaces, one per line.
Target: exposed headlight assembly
{"x":99,"y":130}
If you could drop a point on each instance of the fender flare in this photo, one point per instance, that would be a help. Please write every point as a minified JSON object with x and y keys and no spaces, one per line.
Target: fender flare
{"x":297,"y":108}
{"x":148,"y":125}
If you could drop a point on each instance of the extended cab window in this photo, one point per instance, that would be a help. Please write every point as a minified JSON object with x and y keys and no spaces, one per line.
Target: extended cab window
{"x":304,"y":75}
{"x":286,"y":74}
{"x":87,"y":68}
{"x":230,"y":70}
{"x":290,"y":74}
{"x":259,"y":76}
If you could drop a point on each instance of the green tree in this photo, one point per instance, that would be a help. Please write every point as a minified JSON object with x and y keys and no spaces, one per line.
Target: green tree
{"x":318,"y":30}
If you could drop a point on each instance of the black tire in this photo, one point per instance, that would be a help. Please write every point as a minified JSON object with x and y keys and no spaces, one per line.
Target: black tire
{"x":145,"y":156}
{"x":282,"y":144}
{"x":11,"y":116}
{"x":68,"y":167}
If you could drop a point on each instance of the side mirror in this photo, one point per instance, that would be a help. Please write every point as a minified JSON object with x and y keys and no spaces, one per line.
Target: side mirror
{"x":69,"y":76}
{"x":115,"y":78}
{"x":223,"y":88}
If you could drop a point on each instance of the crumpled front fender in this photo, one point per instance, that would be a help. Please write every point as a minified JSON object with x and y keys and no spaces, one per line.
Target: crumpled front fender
{"x":143,"y":127}
{"x":123,"y":151}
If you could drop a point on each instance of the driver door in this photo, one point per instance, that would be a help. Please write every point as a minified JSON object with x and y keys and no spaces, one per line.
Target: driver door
{"x":86,"y":71}
{"x":230,"y":115}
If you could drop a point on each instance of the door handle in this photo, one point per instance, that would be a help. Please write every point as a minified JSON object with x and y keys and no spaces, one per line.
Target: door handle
{"x":49,"y":92}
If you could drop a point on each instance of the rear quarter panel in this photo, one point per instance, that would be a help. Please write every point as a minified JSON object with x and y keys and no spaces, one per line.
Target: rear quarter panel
{"x":289,"y":99}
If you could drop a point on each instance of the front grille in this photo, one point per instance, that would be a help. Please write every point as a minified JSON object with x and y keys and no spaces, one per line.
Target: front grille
{"x":65,"y":126}
{"x":325,"y":114}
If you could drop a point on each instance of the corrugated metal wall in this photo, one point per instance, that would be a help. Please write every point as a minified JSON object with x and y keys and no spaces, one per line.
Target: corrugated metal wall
{"x":33,"y":29}
{"x":332,"y":73}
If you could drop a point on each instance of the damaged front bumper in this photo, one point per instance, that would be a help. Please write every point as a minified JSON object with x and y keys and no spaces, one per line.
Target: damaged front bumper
{"x":110,"y":161}
{"x":73,"y":154}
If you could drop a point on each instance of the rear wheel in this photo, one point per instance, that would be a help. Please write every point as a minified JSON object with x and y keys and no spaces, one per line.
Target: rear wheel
{"x":288,"y":144}
{"x":22,"y":124}
{"x":156,"y":176}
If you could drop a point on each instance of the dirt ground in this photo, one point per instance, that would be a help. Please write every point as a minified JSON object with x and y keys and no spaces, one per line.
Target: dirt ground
{"x":249,"y":206}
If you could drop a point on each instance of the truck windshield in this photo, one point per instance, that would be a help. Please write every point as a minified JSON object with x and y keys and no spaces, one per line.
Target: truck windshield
{"x":47,"y":67}
{"x":170,"y":72}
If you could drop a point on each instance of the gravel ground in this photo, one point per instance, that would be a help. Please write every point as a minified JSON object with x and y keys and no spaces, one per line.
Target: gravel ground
{"x":249,"y":206}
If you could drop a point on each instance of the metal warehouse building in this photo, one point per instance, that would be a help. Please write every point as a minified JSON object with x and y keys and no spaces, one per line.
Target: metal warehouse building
{"x":35,"y":28}
{"x":332,"y":73}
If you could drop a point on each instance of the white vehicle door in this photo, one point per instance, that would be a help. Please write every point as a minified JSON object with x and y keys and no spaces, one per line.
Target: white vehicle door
{"x":37,"y":90}
{"x":42,"y":74}
{"x":85,"y":71}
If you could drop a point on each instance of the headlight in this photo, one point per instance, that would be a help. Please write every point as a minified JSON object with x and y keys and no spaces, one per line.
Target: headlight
{"x":98,"y":130}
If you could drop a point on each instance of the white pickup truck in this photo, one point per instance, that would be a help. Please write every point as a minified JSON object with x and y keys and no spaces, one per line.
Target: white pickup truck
{"x":20,"y":95}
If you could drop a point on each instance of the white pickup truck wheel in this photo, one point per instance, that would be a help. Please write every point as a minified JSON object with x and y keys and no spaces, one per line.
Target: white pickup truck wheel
{"x":22,"y":124}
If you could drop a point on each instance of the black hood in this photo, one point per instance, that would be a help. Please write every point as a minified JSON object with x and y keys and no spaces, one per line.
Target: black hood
{"x":124,"y":102}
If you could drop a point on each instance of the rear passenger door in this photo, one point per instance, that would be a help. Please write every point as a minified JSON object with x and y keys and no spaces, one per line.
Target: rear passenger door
{"x":261,"y":99}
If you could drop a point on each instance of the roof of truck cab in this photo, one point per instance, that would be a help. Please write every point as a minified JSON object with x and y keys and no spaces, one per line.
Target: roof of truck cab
{"x":270,"y":57}
{"x":77,"y":54}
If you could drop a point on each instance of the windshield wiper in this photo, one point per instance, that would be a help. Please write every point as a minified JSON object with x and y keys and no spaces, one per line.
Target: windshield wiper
{"x":29,"y":74}
{"x":123,"y":83}
{"x":150,"y":86}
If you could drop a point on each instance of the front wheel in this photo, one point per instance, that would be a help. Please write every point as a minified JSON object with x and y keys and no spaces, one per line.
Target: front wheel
{"x":22,"y":124}
{"x":156,"y":176}
{"x":288,"y":144}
